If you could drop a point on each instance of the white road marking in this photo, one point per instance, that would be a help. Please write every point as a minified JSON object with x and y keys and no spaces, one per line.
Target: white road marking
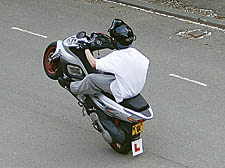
{"x":29,"y":32}
{"x":189,"y":80}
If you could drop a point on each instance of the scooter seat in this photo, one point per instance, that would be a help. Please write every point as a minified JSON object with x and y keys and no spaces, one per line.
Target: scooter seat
{"x":136,"y":103}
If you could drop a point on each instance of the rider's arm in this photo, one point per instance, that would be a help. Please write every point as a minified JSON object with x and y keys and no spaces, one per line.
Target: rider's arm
{"x":90,"y":58}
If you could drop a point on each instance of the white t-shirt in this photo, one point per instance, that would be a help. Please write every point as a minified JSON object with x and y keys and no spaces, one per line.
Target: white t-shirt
{"x":130,"y":68}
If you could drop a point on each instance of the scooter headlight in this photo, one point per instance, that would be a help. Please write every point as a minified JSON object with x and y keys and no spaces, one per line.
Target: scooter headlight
{"x":74,"y":70}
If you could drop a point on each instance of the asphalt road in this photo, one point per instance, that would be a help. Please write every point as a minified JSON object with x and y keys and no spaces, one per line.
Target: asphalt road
{"x":42,"y":126}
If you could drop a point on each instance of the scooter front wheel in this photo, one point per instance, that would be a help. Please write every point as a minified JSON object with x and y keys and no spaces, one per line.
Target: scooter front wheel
{"x":52,"y":69}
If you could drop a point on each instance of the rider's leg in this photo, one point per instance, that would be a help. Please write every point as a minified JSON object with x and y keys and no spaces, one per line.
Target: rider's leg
{"x":92,"y":84}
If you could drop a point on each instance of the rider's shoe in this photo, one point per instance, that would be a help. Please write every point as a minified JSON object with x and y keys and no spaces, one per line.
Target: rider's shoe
{"x":64,"y":82}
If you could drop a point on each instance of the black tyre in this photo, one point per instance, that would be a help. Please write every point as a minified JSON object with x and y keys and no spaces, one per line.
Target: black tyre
{"x":52,"y":70}
{"x":124,"y":147}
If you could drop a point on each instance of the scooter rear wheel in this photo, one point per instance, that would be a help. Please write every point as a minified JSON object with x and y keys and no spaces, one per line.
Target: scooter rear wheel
{"x":52,"y":70}
{"x":124,"y":147}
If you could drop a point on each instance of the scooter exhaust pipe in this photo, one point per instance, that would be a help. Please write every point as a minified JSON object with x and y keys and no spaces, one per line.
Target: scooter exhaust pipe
{"x":95,"y":119}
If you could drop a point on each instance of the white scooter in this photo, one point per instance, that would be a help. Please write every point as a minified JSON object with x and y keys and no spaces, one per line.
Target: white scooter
{"x":120,"y":123}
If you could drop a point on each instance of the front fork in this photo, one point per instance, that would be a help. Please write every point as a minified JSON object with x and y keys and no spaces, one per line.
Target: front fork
{"x":55,"y":57}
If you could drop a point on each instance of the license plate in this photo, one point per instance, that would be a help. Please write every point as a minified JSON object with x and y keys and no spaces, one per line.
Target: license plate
{"x":137,"y":147}
{"x":136,"y":129}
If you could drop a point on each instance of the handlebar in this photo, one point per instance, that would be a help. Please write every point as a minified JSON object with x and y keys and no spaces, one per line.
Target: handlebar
{"x":96,"y":41}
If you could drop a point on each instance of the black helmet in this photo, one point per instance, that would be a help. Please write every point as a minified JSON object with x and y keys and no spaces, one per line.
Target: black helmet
{"x":121,"y":33}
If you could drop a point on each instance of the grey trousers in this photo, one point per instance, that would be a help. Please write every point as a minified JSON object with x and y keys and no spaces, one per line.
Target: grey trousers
{"x":92,"y":84}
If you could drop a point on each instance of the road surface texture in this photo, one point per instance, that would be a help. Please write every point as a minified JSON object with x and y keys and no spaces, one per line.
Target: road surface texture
{"x":215,"y":8}
{"x":41,"y":125}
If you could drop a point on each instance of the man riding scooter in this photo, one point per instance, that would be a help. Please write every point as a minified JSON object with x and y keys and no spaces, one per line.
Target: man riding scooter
{"x":121,"y":66}
{"x":107,"y":88}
